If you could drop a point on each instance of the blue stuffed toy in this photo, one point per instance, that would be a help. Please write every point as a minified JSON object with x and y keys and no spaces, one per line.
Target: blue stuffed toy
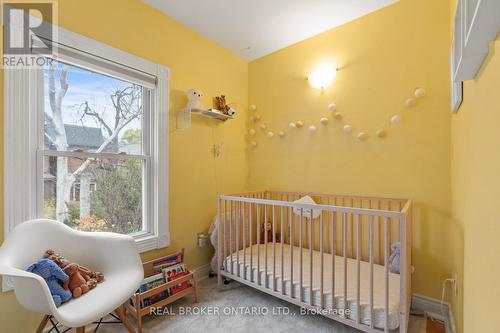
{"x":54,"y":276}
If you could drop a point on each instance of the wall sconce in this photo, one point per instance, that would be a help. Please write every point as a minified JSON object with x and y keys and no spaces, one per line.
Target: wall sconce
{"x":322,"y":77}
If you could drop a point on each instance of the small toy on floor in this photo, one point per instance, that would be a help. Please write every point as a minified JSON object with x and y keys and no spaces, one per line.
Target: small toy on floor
{"x":53,"y":276}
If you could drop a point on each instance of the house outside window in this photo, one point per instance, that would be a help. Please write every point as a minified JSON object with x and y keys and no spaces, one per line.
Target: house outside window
{"x":96,"y":154}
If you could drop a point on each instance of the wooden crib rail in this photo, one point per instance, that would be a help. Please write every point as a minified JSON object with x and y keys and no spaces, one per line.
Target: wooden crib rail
{"x":267,"y":230}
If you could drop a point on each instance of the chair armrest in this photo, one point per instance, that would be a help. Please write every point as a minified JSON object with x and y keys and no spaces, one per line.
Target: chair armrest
{"x":31,"y":289}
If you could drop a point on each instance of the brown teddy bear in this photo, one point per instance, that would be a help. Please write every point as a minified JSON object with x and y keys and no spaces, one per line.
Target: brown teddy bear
{"x":62,"y":263}
{"x":77,"y":283}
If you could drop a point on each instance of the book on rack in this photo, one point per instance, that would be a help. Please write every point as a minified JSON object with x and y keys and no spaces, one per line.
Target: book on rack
{"x":160,"y":265}
{"x":150,"y":283}
{"x":175,"y":272}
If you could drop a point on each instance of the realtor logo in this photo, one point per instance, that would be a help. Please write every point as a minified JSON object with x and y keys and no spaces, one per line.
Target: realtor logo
{"x":27,"y":32}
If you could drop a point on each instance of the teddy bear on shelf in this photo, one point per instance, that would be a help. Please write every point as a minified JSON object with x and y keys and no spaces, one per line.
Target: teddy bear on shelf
{"x":221,"y":105}
{"x":77,"y":283}
{"x":62,"y":263}
{"x":53,"y":276}
{"x":194,"y":99}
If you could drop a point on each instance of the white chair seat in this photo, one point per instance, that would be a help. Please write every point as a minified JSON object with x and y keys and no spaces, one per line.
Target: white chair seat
{"x":114,"y":255}
{"x":82,"y":306}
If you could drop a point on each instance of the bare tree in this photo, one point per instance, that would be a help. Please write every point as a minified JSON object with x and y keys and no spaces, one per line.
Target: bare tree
{"x":127,"y":105}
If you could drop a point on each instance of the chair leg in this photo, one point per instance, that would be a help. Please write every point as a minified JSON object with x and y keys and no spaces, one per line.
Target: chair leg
{"x":123,"y":318}
{"x":80,"y":329}
{"x":43,"y":323}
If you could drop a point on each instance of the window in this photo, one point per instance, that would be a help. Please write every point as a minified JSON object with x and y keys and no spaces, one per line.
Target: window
{"x":87,"y":144}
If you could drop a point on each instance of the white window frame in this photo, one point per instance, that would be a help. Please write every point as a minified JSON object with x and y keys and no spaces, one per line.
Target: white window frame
{"x":23,"y":169}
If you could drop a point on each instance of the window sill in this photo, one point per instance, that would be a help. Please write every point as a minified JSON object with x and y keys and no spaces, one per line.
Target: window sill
{"x":151,"y":242}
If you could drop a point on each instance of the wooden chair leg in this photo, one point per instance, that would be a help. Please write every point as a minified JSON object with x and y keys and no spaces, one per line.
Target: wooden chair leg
{"x":80,"y":329}
{"x":43,"y":323}
{"x":123,"y":318}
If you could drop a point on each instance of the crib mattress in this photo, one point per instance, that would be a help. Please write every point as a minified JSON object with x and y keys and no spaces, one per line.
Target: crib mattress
{"x":274,"y":282}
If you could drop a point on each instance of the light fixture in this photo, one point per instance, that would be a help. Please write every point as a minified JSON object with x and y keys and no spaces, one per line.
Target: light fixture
{"x":322,"y":77}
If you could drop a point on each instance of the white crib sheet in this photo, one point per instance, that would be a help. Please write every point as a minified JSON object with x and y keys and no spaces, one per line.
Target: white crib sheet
{"x":378,"y":281}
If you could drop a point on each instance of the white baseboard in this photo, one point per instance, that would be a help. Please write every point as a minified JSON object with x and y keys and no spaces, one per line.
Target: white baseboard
{"x":201,"y":272}
{"x":434,"y":309}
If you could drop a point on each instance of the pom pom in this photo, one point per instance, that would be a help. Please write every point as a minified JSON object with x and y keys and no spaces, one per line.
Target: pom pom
{"x":299,"y":124}
{"x":263,"y":126}
{"x":292,"y":125}
{"x":312,"y":128}
{"x":396,"y":119}
{"x":381,"y":133}
{"x":254,"y":144}
{"x":252,"y":107}
{"x":337,"y":116}
{"x":420,"y":92}
{"x":324,"y":121}
{"x":252,"y":132}
{"x":410,"y":102}
{"x":362,"y":136}
{"x":270,"y":135}
{"x":332,"y":107}
{"x":281,"y":134}
{"x":347,"y":129}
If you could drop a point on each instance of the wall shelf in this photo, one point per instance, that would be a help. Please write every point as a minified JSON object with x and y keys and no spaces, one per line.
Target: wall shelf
{"x":184,"y":116}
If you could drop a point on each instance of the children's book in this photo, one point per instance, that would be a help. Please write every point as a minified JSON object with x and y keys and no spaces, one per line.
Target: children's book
{"x":160,"y":265}
{"x":150,"y":283}
{"x":175,"y":272}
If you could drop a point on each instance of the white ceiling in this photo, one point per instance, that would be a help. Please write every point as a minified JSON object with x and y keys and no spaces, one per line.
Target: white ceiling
{"x":255,"y":28}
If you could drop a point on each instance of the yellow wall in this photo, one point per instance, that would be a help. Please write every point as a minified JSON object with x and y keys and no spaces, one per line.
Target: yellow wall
{"x":457,"y":244}
{"x":382,"y":57}
{"x":475,"y":193}
{"x":195,"y":176}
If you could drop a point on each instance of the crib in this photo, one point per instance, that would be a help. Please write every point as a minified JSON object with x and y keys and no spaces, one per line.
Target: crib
{"x":330,"y":256}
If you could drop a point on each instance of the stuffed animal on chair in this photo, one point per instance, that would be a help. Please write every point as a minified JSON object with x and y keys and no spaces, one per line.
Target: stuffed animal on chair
{"x":78,"y":284}
{"x":63,"y":262}
{"x":53,"y":276}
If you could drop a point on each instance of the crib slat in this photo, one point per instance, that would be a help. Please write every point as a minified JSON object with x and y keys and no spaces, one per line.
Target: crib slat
{"x":290,"y":240}
{"x":237,"y":235}
{"x":386,"y":262}
{"x":244,"y":226}
{"x":265,"y":247}
{"x":358,"y":268}
{"x":344,"y":252}
{"x":250,"y":212}
{"x":219,"y":244}
{"x":225,"y":232}
{"x":311,"y":245}
{"x":282,"y":257}
{"x":371,"y":272}
{"x":258,"y":244}
{"x":231,"y":234}
{"x":274,"y":248}
{"x":300,"y":245}
{"x":333,"y":241}
{"x":321,"y":255}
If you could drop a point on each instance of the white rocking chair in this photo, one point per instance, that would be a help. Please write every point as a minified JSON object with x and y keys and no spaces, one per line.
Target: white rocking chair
{"x":114,"y":255}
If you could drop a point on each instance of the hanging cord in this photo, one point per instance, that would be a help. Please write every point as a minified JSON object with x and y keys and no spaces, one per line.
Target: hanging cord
{"x":443,"y":295}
